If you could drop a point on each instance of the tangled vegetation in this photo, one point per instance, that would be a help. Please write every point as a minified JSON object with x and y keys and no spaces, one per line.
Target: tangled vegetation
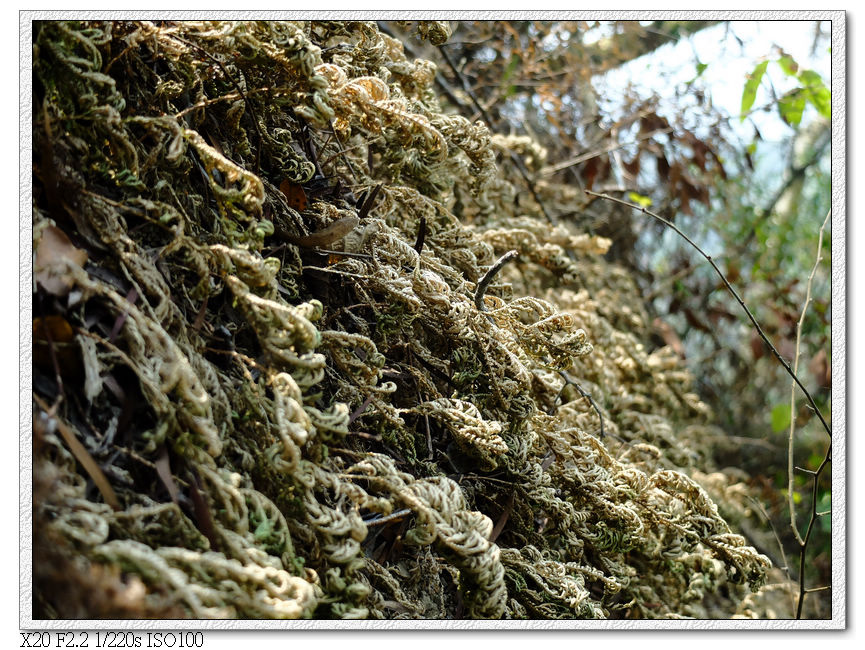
{"x":278,"y":372}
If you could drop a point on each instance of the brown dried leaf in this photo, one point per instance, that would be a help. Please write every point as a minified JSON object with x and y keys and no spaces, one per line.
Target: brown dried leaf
{"x":653,"y":122}
{"x":757,"y":347}
{"x":663,"y":166}
{"x":54,"y":255}
{"x":163,"y":469}
{"x":668,"y":334}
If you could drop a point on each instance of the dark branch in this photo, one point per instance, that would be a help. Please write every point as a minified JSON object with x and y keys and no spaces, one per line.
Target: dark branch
{"x":803,"y":546}
{"x":579,"y":388}
{"x":488,"y":277}
{"x":421,"y":235}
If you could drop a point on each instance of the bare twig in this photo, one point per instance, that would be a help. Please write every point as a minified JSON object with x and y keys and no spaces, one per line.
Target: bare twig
{"x":488,"y":277}
{"x":421,"y":235}
{"x":360,"y":409}
{"x":339,"y":152}
{"x":552,"y":169}
{"x":766,"y":516}
{"x":359,"y":256}
{"x":790,"y":503}
{"x":81,"y":455}
{"x":730,"y":288}
{"x":399,"y":514}
{"x":444,"y":85}
{"x":795,"y":174}
{"x":365,"y":435}
{"x":342,"y":152}
{"x":804,"y":545}
{"x":570,"y":380}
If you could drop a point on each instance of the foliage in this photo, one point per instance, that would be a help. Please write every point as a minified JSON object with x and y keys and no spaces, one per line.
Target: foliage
{"x":792,"y":103}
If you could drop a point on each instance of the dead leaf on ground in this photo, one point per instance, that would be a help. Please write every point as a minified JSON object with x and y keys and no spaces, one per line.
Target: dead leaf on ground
{"x":55,"y":253}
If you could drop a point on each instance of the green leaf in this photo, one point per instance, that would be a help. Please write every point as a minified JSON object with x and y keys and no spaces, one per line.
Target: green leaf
{"x":791,"y":106}
{"x":781,"y":416}
{"x":639,"y":199}
{"x":750,"y":91}
{"x":797,"y":498}
{"x":817,"y":92}
{"x":821,"y":99}
{"x":509,"y":89}
{"x":788,"y":65}
{"x":810,"y":78}
{"x":509,"y":71}
{"x":512,"y":90}
{"x":701,"y":68}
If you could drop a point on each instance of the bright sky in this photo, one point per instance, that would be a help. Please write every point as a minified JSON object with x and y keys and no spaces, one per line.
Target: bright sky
{"x":729,"y":64}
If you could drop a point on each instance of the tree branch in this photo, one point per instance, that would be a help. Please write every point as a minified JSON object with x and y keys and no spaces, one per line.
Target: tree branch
{"x":488,"y":277}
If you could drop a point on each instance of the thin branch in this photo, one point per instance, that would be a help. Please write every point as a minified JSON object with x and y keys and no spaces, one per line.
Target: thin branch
{"x":360,"y":409}
{"x":795,"y":174}
{"x":342,"y":152}
{"x":765,"y":514}
{"x":549,"y":171}
{"x":570,"y":380}
{"x":817,"y":261}
{"x":730,"y":288}
{"x":81,"y":454}
{"x":378,"y":521}
{"x":442,"y":83}
{"x":359,"y":256}
{"x":804,"y":545}
{"x":488,"y":277}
